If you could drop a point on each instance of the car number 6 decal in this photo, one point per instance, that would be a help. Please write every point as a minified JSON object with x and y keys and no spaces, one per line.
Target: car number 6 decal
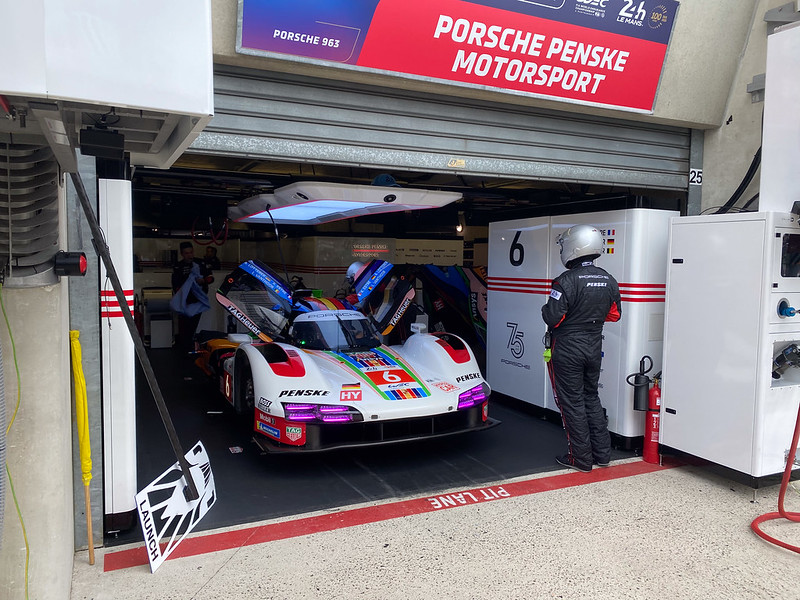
{"x":390,"y":377}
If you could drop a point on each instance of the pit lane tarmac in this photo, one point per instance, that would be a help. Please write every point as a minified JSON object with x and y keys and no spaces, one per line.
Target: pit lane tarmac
{"x":254,"y":486}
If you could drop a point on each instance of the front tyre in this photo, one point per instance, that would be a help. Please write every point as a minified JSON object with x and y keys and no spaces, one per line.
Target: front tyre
{"x":245,"y":391}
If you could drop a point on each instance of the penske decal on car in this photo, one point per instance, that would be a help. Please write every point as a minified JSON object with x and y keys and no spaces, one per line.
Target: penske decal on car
{"x":303,"y":393}
{"x":467,"y":377}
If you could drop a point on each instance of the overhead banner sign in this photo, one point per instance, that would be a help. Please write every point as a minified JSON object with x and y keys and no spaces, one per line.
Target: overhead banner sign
{"x":600,"y":52}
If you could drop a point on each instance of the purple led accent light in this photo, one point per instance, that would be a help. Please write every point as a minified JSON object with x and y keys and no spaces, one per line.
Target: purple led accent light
{"x":327,"y":413}
{"x":471,"y":397}
{"x":300,"y":412}
{"x":299,"y":406}
{"x":330,"y":408}
{"x":337,"y":418}
{"x":298,"y":416}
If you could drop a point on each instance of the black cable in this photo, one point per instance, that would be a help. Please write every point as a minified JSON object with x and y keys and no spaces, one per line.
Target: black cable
{"x":749,"y":202}
{"x":748,"y":177}
{"x":280,"y":250}
{"x":709,"y":209}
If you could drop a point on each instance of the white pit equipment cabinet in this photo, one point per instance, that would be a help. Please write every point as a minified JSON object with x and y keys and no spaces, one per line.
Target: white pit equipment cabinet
{"x":524,"y":259}
{"x":728,"y":276}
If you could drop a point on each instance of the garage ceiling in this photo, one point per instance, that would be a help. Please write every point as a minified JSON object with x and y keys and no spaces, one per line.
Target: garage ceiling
{"x":272,"y":129}
{"x":204,"y":186}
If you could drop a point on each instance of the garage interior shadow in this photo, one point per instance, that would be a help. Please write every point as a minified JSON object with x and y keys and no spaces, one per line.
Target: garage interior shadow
{"x":253,"y":486}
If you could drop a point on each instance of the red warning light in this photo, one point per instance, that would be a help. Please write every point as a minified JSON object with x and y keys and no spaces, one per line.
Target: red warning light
{"x":68,"y":264}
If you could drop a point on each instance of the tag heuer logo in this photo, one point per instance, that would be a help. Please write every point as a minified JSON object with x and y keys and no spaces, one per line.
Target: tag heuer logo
{"x":294,"y":433}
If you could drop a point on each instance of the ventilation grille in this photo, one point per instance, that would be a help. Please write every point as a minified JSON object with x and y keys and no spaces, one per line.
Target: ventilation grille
{"x":28,"y":214}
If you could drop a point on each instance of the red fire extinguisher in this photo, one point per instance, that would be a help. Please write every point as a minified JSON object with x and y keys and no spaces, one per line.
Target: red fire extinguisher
{"x":650,"y":447}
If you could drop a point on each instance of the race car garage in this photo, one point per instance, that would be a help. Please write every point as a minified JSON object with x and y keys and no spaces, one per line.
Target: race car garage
{"x":217,"y":113}
{"x":563,"y":163}
{"x":271,"y":131}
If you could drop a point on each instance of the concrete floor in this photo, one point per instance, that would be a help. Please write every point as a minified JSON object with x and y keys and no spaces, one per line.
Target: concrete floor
{"x":630,"y":531}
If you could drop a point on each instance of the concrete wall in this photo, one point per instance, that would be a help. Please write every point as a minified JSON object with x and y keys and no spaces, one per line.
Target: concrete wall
{"x":83,"y":318}
{"x":730,"y":147}
{"x":39,"y":446}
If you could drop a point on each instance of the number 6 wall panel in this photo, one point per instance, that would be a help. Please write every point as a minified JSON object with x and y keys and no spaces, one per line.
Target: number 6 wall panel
{"x":523,"y":260}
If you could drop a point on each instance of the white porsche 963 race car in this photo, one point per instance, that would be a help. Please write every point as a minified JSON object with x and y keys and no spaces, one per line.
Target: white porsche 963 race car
{"x":313,"y":375}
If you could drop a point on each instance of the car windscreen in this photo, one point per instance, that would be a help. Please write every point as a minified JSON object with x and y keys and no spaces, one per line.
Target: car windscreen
{"x":334,"y":333}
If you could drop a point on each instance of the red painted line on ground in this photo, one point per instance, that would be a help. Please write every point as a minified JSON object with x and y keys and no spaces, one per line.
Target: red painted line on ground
{"x":227,"y":540}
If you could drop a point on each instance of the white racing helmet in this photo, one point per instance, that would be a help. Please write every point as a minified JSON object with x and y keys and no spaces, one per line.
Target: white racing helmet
{"x":580,"y":241}
{"x":352,"y":271}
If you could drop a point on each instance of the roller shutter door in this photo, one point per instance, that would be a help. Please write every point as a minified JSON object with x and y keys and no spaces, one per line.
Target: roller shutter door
{"x":284,"y":117}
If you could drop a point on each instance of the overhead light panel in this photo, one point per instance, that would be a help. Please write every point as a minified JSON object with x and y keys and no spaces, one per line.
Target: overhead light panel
{"x":313,"y":203}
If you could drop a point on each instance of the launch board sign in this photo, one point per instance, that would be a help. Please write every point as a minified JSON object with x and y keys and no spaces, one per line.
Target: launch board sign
{"x":606,"y":52}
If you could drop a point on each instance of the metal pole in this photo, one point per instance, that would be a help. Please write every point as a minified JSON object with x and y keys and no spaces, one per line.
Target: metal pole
{"x":190,"y":492}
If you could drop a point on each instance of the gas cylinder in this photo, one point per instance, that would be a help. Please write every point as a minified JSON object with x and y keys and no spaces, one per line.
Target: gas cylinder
{"x":650,"y":447}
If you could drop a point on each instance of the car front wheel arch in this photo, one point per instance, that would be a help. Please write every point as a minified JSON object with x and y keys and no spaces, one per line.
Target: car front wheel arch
{"x":244,"y":402}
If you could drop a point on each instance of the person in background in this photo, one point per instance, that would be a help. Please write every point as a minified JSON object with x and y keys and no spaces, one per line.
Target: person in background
{"x":210,"y":258}
{"x":353,"y":272}
{"x":582,"y":299}
{"x":180,"y":273}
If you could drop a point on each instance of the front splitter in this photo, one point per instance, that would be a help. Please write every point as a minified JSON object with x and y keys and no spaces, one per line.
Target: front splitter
{"x":269,"y":446}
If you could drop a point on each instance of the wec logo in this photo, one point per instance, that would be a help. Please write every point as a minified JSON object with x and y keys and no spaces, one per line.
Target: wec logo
{"x":597,"y":3}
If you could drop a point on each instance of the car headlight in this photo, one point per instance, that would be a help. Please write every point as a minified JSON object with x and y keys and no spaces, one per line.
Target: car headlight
{"x":324,"y":413}
{"x":473,"y":396}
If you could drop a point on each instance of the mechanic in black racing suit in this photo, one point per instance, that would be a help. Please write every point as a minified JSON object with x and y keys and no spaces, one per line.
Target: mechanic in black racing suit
{"x":582,"y":298}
